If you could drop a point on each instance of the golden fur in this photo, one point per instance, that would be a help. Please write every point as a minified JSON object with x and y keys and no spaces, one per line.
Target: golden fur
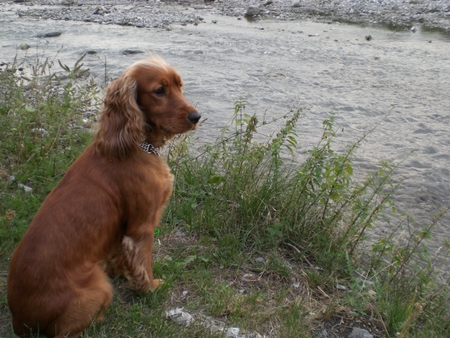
{"x":104,"y":211}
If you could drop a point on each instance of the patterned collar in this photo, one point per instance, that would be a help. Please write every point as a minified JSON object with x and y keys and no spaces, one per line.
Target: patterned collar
{"x":148,"y":148}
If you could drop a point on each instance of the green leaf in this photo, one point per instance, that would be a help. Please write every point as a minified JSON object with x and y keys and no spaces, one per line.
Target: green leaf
{"x":216,"y":179}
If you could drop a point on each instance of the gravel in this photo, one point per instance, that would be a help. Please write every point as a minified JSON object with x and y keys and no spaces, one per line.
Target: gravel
{"x":432,"y":14}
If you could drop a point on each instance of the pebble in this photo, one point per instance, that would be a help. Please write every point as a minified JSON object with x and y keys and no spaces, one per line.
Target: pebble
{"x":25,"y":187}
{"x":252,"y":11}
{"x":49,"y":35}
{"x":132,"y":51}
{"x":21,"y":185}
{"x":341,"y":287}
{"x":215,"y":326}
{"x":360,"y":333}
{"x":180,"y":317}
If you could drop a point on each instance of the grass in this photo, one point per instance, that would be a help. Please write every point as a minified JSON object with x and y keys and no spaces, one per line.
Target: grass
{"x":251,"y":239}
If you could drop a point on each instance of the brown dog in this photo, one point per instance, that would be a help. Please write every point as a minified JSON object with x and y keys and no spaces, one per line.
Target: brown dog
{"x":105,"y":209}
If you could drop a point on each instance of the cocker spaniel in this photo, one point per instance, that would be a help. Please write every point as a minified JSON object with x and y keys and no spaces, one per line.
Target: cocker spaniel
{"x":101,"y":217}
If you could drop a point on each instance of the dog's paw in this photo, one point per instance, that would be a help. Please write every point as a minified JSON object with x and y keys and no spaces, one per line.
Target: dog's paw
{"x":156,"y":283}
{"x":128,"y":246}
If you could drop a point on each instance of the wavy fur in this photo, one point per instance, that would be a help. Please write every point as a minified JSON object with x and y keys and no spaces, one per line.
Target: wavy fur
{"x":121,"y":124}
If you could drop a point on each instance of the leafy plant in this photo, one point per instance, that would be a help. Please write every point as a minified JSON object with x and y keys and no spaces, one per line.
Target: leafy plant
{"x":43,"y":126}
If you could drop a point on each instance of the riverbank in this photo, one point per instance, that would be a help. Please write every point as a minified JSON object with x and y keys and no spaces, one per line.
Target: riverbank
{"x":407,"y":14}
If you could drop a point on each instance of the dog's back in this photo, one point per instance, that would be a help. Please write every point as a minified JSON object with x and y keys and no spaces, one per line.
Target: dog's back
{"x":56,"y":262}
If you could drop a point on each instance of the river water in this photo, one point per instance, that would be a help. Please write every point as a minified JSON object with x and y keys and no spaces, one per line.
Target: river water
{"x":399,"y":79}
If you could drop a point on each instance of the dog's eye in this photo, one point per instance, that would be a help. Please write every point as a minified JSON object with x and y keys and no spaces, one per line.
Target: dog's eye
{"x":160,"y":91}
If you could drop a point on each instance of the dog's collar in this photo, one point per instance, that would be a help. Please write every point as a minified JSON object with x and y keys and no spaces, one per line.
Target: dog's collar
{"x":148,"y":148}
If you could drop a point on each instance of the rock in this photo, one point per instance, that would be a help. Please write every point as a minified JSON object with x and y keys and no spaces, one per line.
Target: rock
{"x":24,"y":46}
{"x":52,"y":34}
{"x":49,"y":35}
{"x":132,"y":51}
{"x":214,"y":325}
{"x":20,"y":185}
{"x":360,"y":333}
{"x":248,"y":277}
{"x":98,"y":11}
{"x":296,"y":4}
{"x":252,"y":11}
{"x":180,"y":233}
{"x":25,"y":187}
{"x":341,"y":287}
{"x":180,"y":317}
{"x":260,"y":260}
{"x":39,"y":130}
{"x":232,"y":332}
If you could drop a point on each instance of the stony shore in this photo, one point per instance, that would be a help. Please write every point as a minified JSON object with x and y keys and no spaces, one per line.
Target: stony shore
{"x":430,"y":14}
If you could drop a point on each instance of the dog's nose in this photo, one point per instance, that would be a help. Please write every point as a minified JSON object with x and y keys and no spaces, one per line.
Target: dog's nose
{"x":194,"y":117}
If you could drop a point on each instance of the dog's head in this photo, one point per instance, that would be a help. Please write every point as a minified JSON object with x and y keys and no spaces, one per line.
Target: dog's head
{"x":145,"y":103}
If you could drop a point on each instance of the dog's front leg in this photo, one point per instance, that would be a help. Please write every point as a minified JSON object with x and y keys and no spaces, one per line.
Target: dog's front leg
{"x":138,"y":261}
{"x":137,"y":244}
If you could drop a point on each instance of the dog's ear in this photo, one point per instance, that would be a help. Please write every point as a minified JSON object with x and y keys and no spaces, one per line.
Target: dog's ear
{"x":120,"y":126}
